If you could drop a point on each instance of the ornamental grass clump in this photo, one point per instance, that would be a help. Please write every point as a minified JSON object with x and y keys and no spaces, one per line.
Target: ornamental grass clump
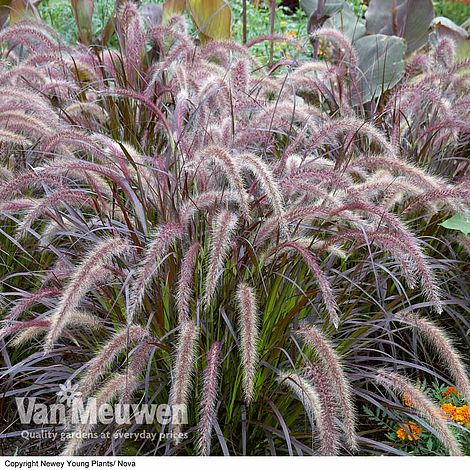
{"x":241,"y":238}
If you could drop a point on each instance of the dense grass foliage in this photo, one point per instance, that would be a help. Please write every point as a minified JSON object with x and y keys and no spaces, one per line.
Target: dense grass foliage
{"x":182,"y":225}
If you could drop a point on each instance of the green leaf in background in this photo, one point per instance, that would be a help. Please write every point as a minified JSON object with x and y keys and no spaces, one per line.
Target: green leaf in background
{"x":458,"y":222}
{"x":409,"y":19}
{"x":381,"y":64}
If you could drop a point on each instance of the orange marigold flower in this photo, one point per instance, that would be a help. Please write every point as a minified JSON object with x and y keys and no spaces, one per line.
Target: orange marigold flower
{"x":409,"y":431}
{"x":448,"y":409}
{"x":462,"y":415}
{"x":450,"y":391}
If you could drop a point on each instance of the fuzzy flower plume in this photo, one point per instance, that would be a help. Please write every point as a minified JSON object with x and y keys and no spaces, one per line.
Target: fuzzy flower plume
{"x":248,"y":325}
{"x":42,"y":295}
{"x":100,"y":364}
{"x":7,"y":137}
{"x":156,"y":250}
{"x":307,"y":394}
{"x":208,"y":401}
{"x":185,"y":282}
{"x":56,"y":199}
{"x":114,"y":388}
{"x":183,"y":368}
{"x":264,"y":175}
{"x":223,"y":227}
{"x":29,"y":329}
{"x":423,"y":406}
{"x":336,"y":378}
{"x":204,"y":201}
{"x":231,"y":168}
{"x":325,"y":288}
{"x":91,"y":271}
{"x":342,"y":43}
{"x":400,"y":232}
{"x":330,"y":441}
{"x":440,"y":342}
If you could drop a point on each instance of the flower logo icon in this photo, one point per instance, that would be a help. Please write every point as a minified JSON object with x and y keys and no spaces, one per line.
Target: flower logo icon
{"x":68,"y":393}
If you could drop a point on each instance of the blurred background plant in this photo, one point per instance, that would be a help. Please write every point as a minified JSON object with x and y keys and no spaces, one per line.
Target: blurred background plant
{"x":290,"y":17}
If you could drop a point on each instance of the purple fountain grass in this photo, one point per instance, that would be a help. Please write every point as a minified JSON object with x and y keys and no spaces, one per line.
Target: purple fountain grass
{"x":19,"y":326}
{"x":18,"y":183}
{"x":90,"y":271}
{"x":424,"y":92}
{"x":93,"y":109}
{"x":386,"y":189}
{"x":26,"y":123}
{"x":457,"y":198}
{"x":354,"y":126}
{"x":444,"y":346}
{"x":29,"y":300}
{"x":336,"y":377}
{"x":248,"y":324}
{"x":141,"y":99}
{"x":401,"y":233}
{"x":115,"y":387}
{"x":386,"y":241}
{"x":137,"y":363}
{"x":20,"y":99}
{"x":224,"y":225}
{"x":27,"y":335}
{"x":183,"y":368}
{"x":323,"y":283}
{"x":426,"y":275}
{"x":118,"y":386}
{"x":232,"y":181}
{"x":330,"y":439}
{"x":309,"y":398}
{"x":75,"y":140}
{"x":100,"y":364}
{"x":18,"y":205}
{"x":321,"y":176}
{"x":7,"y":137}
{"x":16,"y":75}
{"x":423,"y":406}
{"x":293,"y":214}
{"x":132,"y":38}
{"x":231,"y":169}
{"x":205,"y":200}
{"x":156,"y":250}
{"x":332,"y":129}
{"x":53,"y":201}
{"x":266,"y":179}
{"x":240,"y":79}
{"x":343,"y":44}
{"x":5,"y":174}
{"x":208,"y":399}
{"x":30,"y":329}
{"x":29,"y":32}
{"x":185,"y":283}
